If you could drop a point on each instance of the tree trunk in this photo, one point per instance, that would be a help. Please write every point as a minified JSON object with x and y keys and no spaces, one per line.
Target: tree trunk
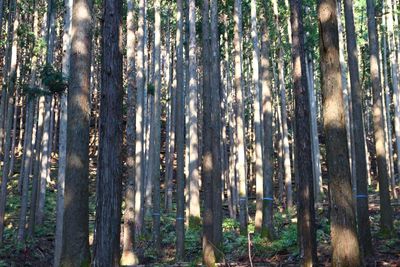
{"x":128,"y":254}
{"x":364,"y":231}
{"x":386,"y":220}
{"x":75,"y":248}
{"x":305,"y":191}
{"x":180,"y":137}
{"x":240,"y":126}
{"x":106,"y":248}
{"x":157,"y":127}
{"x":46,"y":144}
{"x":139,"y":128}
{"x":268,"y":150}
{"x":62,"y":152}
{"x":257,"y":119}
{"x":28,"y":144}
{"x":11,"y":78}
{"x":194,"y":175}
{"x":343,"y":222}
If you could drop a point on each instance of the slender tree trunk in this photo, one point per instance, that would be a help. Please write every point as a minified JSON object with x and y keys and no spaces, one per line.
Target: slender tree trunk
{"x":266,"y":102}
{"x":11,"y":78}
{"x":75,"y":248}
{"x":395,"y":76}
{"x":36,"y":167}
{"x":240,"y":126}
{"x":318,"y":189}
{"x":139,"y":128}
{"x":180,"y":137}
{"x":364,"y":231}
{"x":128,"y":254}
{"x":216,"y":128}
{"x":305,"y":191}
{"x":28,"y":144}
{"x":257,"y":119}
{"x":194,"y":175}
{"x":343,"y":221}
{"x":285,"y":134}
{"x":62,"y":150}
{"x":46,"y":153}
{"x":157,"y":127}
{"x":386,"y":220}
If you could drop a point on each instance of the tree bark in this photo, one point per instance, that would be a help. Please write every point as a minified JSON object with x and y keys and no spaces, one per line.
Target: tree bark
{"x":305,"y":191}
{"x":343,"y":222}
{"x":386,"y":220}
{"x":267,"y":113}
{"x":11,"y":78}
{"x":157,"y":127}
{"x":240,"y":126}
{"x":180,"y":136}
{"x":106,"y":249}
{"x":128,"y":255}
{"x":364,"y":231}
{"x":75,"y":248}
{"x":194,"y":175}
{"x":139,"y":128}
{"x":62,"y":150}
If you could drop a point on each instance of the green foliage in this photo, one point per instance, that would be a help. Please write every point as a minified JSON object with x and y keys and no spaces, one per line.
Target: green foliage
{"x":150,"y":89}
{"x":53,"y":79}
{"x":34,"y":91}
{"x":193,"y":247}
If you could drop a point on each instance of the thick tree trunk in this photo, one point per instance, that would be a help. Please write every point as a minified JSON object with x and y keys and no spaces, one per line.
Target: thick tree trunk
{"x":75,"y":248}
{"x":343,"y":222}
{"x":106,"y":248}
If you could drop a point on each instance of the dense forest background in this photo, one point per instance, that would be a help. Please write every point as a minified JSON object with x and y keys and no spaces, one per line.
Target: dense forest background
{"x":181,"y":133}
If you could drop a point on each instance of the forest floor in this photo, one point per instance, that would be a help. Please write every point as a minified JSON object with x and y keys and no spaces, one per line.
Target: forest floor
{"x":283,"y":251}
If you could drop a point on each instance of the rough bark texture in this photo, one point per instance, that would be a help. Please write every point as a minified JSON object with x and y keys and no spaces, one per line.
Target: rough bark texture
{"x":216,"y":128}
{"x":305,"y":192}
{"x":62,"y":150}
{"x":106,"y":250}
{"x":180,"y":136}
{"x":209,"y":253}
{"x":257,"y":118}
{"x":266,"y":102}
{"x":343,"y":222}
{"x":156,"y":138}
{"x":128,"y":255}
{"x":75,"y":251}
{"x":386,"y":220}
{"x":364,"y":231}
